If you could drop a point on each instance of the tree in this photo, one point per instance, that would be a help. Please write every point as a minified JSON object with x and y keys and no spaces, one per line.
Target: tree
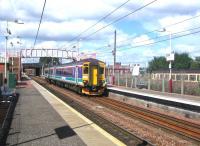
{"x":182,"y":61}
{"x":195,"y":64}
{"x":157,"y":63}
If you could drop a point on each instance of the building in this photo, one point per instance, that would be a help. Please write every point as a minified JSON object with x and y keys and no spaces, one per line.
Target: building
{"x":2,"y":65}
{"x":119,"y":68}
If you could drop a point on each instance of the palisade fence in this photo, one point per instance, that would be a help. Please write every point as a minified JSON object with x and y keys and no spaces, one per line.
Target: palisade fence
{"x":183,"y":83}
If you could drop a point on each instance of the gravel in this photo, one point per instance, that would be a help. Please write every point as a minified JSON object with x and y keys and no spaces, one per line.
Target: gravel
{"x":148,"y":132}
{"x":155,"y":135}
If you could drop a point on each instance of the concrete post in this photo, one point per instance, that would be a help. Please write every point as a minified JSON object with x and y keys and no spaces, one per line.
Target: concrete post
{"x":126,"y":79}
{"x":135,"y":81}
{"x":118,"y":79}
{"x":149,"y":81}
{"x":182,"y":85}
{"x":163,"y":85}
{"x":131,"y":81}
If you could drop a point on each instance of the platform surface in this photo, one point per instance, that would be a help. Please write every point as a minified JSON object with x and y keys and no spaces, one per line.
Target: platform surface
{"x":186,"y":99}
{"x":41,"y":119}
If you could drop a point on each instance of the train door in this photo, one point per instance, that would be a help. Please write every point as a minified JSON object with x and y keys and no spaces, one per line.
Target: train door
{"x":94,"y":73}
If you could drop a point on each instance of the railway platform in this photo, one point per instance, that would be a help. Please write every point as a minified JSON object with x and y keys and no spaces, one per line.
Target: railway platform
{"x":40,"y":118}
{"x":185,"y":102}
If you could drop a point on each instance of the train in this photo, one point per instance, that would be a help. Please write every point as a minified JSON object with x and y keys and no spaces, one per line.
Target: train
{"x":86,"y":76}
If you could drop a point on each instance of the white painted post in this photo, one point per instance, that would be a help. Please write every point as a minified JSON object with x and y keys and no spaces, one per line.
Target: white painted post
{"x":131,"y":81}
{"x":126,"y":80}
{"x":135,"y":81}
{"x":149,"y":81}
{"x":118,"y":79}
{"x":182,"y":85}
{"x":163,"y":85}
{"x":196,"y":77}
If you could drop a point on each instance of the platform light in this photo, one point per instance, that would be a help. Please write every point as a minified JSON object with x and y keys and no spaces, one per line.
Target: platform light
{"x":170,"y":57}
{"x":6,"y":37}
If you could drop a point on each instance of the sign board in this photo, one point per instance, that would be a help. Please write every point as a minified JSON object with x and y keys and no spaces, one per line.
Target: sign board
{"x":170,"y":57}
{"x":136,"y":70}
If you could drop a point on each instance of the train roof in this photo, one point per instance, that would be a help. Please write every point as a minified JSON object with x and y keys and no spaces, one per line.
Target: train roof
{"x":92,"y":60}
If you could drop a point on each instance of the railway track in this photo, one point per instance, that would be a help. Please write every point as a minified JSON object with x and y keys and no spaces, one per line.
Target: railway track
{"x":184,"y":128}
{"x":115,"y":130}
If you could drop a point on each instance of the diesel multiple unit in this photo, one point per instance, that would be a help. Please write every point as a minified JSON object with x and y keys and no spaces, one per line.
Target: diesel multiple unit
{"x":86,"y":76}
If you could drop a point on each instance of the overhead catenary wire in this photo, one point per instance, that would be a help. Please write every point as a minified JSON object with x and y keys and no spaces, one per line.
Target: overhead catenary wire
{"x":155,"y":30}
{"x":101,"y":19}
{"x":118,"y":19}
{"x":173,"y":37}
{"x":39,"y":24}
{"x":176,"y":37}
{"x":104,"y":17}
{"x":138,"y":42}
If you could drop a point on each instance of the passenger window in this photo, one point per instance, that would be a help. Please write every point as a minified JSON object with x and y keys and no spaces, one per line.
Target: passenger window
{"x":85,"y":70}
{"x":101,"y":70}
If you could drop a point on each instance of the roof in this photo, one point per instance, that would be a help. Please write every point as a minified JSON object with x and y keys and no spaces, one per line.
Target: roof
{"x":92,"y":60}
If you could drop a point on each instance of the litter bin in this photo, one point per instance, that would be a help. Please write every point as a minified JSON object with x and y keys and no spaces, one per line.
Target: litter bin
{"x":12,"y":80}
{"x":1,"y":79}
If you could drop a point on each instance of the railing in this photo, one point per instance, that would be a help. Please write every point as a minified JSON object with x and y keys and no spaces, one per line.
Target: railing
{"x":188,"y":77}
{"x":182,"y":83}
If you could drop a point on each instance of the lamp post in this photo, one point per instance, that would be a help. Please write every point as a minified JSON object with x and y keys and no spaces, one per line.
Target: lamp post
{"x":5,"y":61}
{"x":170,"y":64}
{"x":20,"y":64}
{"x":170,"y":58}
{"x":12,"y":56}
{"x":8,"y":33}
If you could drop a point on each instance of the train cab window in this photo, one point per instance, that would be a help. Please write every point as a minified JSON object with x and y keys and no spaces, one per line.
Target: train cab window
{"x":101,"y":70}
{"x":85,"y":70}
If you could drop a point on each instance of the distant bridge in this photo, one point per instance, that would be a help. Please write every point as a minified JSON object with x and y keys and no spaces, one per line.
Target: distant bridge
{"x":56,"y":53}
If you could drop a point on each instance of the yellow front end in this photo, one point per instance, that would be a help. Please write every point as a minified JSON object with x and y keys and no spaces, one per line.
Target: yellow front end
{"x":93,"y":78}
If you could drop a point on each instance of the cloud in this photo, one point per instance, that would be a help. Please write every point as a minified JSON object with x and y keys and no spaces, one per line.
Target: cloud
{"x":142,"y":40}
{"x":64,"y":20}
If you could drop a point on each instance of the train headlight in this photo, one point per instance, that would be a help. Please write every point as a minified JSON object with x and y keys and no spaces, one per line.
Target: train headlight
{"x":85,"y":82}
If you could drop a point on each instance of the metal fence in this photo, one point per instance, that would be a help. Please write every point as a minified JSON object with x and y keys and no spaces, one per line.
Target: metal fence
{"x":181,"y":85}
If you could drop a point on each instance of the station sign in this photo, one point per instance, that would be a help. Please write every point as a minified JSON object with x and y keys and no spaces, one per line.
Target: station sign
{"x":170,"y":57}
{"x":136,"y":70}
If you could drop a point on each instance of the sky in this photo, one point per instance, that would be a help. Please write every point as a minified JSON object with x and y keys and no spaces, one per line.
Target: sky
{"x":141,"y":36}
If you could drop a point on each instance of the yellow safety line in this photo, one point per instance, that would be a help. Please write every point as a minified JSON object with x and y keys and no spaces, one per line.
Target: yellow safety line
{"x":102,"y":131}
